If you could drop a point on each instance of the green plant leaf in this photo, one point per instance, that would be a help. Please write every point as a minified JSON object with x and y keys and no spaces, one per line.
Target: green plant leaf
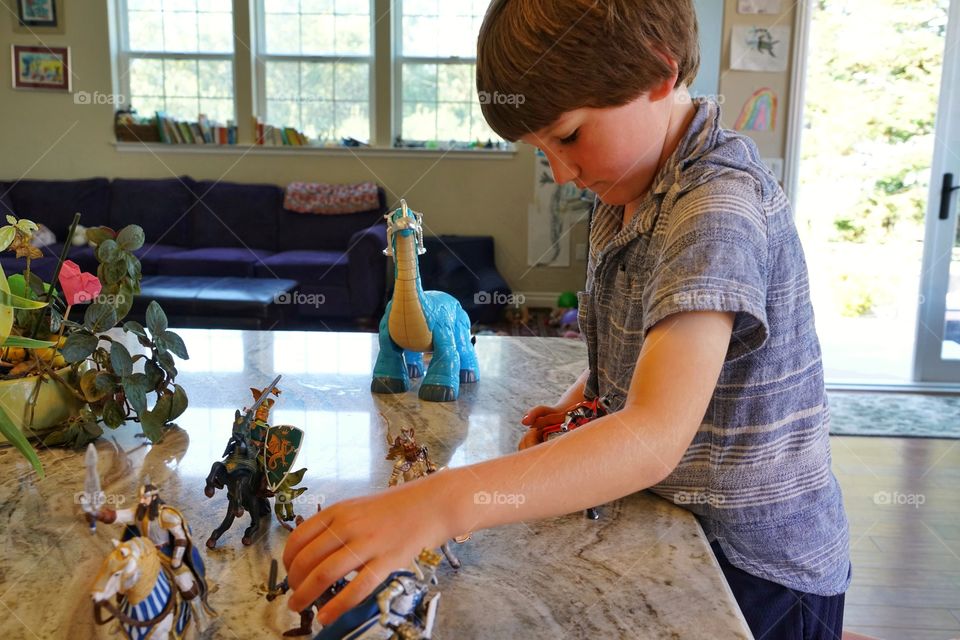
{"x":98,"y":235}
{"x":106,"y":382}
{"x":11,"y":219}
{"x":99,"y":317}
{"x":132,"y":326}
{"x":114,"y":271}
{"x":26,"y":343}
{"x":135,"y":387}
{"x":120,"y":360}
{"x":19,"y":302}
{"x":15,"y":437}
{"x":130,"y":238}
{"x":179,"y":402}
{"x":88,"y":385}
{"x":173,"y":343}
{"x":167,"y":363}
{"x":125,"y":296}
{"x":26,"y":226}
{"x":6,"y":313}
{"x":133,"y":266}
{"x":156,"y":318}
{"x":108,"y":251}
{"x":7,"y":234}
{"x":79,"y":346}
{"x":113,"y":415}
{"x":154,"y":374}
{"x":154,"y":420}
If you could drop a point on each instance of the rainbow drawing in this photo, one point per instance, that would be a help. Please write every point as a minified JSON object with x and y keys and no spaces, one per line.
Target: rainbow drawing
{"x":759,"y":113}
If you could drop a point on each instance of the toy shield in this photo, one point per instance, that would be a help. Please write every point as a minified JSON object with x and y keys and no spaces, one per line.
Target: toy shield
{"x":282,"y":446}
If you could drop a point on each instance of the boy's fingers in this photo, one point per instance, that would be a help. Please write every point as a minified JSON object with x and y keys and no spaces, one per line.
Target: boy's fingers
{"x":321,"y":577}
{"x":355,"y":591}
{"x":303,"y":535}
{"x":530,"y":439}
{"x":321,"y":549}
{"x":549,"y":419}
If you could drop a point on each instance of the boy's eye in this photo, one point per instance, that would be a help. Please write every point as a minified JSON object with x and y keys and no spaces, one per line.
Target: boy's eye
{"x":570,"y":139}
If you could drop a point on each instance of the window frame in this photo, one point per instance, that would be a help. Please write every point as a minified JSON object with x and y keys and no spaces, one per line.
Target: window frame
{"x":125,"y":55}
{"x":261,"y":58}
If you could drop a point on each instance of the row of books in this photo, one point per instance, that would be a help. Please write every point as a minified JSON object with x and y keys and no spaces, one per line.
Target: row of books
{"x":173,"y":131}
{"x":270,"y":135}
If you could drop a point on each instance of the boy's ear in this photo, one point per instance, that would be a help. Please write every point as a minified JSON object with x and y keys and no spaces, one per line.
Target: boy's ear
{"x":665,"y":87}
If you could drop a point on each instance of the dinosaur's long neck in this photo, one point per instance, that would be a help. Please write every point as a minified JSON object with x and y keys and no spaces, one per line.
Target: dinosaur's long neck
{"x":408,"y":320}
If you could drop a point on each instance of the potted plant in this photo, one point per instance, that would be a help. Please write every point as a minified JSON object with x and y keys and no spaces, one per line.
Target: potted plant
{"x":62,"y":376}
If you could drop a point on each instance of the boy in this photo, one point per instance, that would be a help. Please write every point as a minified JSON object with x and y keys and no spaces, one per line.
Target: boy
{"x":697,"y":320}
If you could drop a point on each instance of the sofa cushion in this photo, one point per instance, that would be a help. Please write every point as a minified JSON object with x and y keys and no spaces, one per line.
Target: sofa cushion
{"x":310,"y":231}
{"x":53,"y":202}
{"x":213,"y":261}
{"x":306,"y":266}
{"x":236,"y":215}
{"x":160,"y":207}
{"x":152,"y":255}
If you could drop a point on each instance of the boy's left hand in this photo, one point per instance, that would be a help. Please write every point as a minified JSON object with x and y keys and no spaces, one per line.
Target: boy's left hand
{"x":374,"y":535}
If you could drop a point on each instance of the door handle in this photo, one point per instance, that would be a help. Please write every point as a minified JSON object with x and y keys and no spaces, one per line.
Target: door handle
{"x":945,"y":192}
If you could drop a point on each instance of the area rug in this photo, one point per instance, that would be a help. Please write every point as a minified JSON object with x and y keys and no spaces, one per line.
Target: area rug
{"x":855,"y":413}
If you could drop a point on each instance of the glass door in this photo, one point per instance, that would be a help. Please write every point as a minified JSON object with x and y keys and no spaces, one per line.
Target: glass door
{"x":937,"y":357}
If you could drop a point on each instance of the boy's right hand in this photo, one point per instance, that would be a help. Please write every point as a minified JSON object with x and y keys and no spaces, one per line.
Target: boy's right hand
{"x":537,"y":418}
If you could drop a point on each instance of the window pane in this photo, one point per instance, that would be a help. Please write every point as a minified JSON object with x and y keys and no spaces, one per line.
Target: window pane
{"x":316,"y":80}
{"x":419,"y":82}
{"x":353,"y":35}
{"x":353,"y":120}
{"x":352,"y":81}
{"x":283,"y":82}
{"x":316,"y":6}
{"x":180,"y":31}
{"x":216,"y":78}
{"x":146,"y":77}
{"x":180,"y":5}
{"x":479,"y":129}
{"x":218,"y":109}
{"x":214,"y":6}
{"x":283,"y":34}
{"x":281,"y":6}
{"x":147,"y":105}
{"x":216,"y":32}
{"x":145,"y":30}
{"x":356,"y":7}
{"x":318,"y":34}
{"x":456,"y":37}
{"x":180,"y":78}
{"x":318,"y":119}
{"x":183,"y":108}
{"x":455,"y":83}
{"x":453,"y":121}
{"x":420,"y":36}
{"x":419,"y":121}
{"x":283,"y":113}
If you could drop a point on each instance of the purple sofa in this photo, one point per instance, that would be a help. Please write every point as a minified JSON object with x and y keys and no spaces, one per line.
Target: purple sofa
{"x":205,"y":228}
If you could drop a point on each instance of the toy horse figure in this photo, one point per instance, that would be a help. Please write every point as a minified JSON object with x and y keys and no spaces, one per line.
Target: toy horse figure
{"x":149,"y":605}
{"x":418,"y":321}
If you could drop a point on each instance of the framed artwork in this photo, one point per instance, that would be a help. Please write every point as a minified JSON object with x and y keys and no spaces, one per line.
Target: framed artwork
{"x":41,"y":67}
{"x":37,"y":13}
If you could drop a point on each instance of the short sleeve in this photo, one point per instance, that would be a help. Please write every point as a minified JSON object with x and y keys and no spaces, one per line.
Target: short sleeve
{"x":713,"y":257}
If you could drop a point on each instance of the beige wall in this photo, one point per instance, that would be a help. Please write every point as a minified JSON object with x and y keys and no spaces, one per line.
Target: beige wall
{"x":47,"y":135}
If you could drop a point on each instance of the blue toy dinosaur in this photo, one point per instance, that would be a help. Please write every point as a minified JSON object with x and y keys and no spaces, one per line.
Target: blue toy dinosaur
{"x":418,"y":321}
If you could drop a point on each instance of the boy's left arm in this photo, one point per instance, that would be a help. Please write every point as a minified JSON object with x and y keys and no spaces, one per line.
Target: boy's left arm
{"x":609,"y":458}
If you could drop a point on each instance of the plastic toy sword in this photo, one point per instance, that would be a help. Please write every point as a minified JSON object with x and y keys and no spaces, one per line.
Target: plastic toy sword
{"x":92,"y":497}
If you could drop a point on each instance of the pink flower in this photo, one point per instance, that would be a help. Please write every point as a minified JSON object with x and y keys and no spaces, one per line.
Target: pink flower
{"x":78,"y":286}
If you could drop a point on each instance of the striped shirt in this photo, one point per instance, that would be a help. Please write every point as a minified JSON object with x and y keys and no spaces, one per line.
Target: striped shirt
{"x":716,"y":233}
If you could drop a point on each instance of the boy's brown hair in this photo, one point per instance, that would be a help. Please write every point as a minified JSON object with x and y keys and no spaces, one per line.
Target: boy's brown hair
{"x":537,"y":59}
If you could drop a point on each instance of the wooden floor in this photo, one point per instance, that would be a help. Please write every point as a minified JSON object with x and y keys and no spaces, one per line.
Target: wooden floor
{"x":903,"y":501}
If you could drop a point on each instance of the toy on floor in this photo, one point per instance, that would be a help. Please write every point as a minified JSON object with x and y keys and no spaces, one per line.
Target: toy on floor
{"x":564,"y":317}
{"x":418,"y":321}
{"x":578,"y":416}
{"x":400,"y":608}
{"x":256,"y":467}
{"x":412,"y":461}
{"x":156,"y":574}
{"x":306,"y":616}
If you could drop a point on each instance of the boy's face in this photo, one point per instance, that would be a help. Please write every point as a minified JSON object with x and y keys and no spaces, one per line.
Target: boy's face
{"x":615,"y":152}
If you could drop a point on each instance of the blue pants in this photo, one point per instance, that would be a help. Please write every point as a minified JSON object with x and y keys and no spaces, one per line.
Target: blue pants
{"x":775,"y":612}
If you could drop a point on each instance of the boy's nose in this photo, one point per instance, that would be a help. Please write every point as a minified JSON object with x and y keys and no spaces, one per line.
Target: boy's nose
{"x":563,"y":169}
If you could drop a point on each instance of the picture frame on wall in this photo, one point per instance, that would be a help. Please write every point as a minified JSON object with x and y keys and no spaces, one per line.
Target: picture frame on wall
{"x":45,"y":68}
{"x":37,"y":13}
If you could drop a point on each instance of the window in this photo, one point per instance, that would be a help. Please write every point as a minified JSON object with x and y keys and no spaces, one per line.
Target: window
{"x":315,"y":66}
{"x":436,"y":98}
{"x":177,"y":56}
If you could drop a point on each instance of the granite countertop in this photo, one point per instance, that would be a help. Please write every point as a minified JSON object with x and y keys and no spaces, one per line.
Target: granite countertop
{"x":643,"y":570}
